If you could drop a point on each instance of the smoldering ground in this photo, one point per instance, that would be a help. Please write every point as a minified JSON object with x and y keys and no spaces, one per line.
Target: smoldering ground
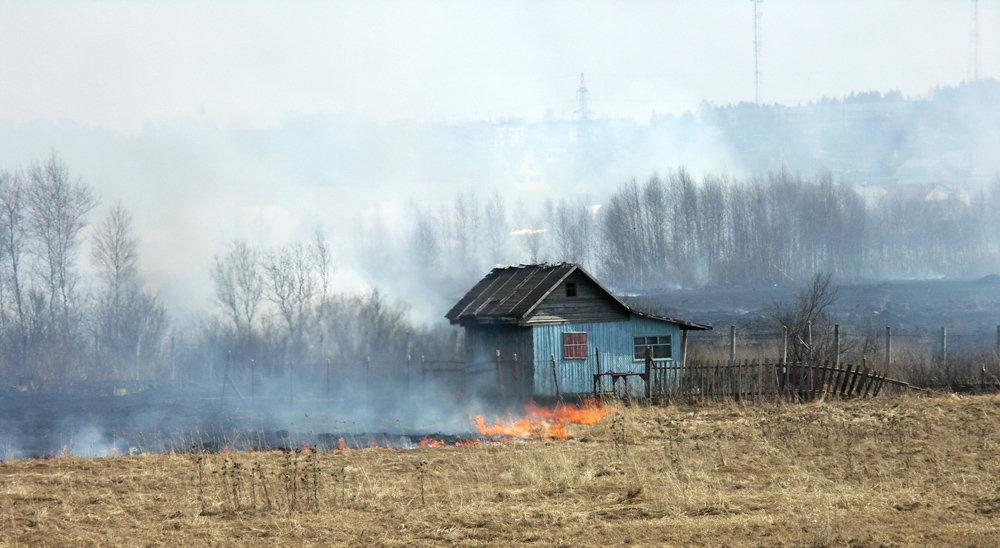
{"x":120,"y":418}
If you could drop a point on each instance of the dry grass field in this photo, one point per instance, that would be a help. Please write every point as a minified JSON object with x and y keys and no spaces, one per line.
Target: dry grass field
{"x":903,"y":471}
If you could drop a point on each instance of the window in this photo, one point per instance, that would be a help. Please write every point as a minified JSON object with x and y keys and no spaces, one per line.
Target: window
{"x":574,"y":345}
{"x":571,"y":289}
{"x":660,"y":345}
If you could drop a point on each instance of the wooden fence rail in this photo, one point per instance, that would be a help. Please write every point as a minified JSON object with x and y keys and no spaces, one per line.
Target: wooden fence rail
{"x":754,"y":380}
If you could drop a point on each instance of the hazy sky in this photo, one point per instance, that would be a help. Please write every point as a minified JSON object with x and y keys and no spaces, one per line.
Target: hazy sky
{"x":129,"y":76}
{"x":120,"y":64}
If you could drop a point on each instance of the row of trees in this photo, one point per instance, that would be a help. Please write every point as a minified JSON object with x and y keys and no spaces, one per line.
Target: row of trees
{"x":782,"y":229}
{"x":52,"y":325}
{"x":279,"y":310}
{"x":274,"y":306}
{"x":673,"y":230}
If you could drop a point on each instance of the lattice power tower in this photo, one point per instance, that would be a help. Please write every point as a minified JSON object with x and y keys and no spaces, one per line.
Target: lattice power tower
{"x":756,"y":50}
{"x":581,"y":94}
{"x":974,"y":42}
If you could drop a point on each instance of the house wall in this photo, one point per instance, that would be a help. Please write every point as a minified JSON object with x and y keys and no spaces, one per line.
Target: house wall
{"x":591,"y":305}
{"x":481,"y":345}
{"x":612,"y":339}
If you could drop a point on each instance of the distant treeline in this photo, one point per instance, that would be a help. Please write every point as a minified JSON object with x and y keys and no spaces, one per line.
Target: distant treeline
{"x":673,"y":230}
{"x":54,"y":324}
{"x":273,"y":307}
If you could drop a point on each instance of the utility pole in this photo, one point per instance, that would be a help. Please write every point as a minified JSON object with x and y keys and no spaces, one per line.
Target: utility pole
{"x":974,"y":42}
{"x":756,"y":50}
{"x":581,"y":95}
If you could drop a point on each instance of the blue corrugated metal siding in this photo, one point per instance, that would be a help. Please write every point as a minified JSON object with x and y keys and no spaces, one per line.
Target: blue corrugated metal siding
{"x":614,"y":339}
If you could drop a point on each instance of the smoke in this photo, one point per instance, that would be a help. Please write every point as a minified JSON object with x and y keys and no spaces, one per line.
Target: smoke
{"x":430,"y":144}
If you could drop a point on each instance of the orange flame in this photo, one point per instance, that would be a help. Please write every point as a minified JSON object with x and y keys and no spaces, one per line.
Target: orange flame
{"x":588,"y":412}
{"x":543,"y":422}
{"x":340,"y":444}
{"x":428,"y":442}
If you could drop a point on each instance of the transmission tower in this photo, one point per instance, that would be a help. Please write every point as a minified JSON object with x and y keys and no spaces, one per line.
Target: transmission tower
{"x":974,"y":42}
{"x":756,"y":50}
{"x":581,"y":94}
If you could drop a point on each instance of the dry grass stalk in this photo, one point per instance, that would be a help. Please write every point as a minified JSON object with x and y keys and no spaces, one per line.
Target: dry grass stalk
{"x":910,"y":471}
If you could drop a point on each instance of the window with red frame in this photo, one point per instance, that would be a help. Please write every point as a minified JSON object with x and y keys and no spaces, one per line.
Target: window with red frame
{"x":574,"y":345}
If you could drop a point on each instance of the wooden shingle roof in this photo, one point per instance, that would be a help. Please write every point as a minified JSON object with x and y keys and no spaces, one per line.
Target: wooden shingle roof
{"x":508,"y":294}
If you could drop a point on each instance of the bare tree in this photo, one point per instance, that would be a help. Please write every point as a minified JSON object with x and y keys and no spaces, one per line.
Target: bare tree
{"x":808,"y":312}
{"x":129,"y":321}
{"x":496,"y":229}
{"x":59,"y":208}
{"x":424,"y":242}
{"x":291,"y":282}
{"x":239,"y":287}
{"x":114,"y":251}
{"x":323,"y":263}
{"x":13,"y":248}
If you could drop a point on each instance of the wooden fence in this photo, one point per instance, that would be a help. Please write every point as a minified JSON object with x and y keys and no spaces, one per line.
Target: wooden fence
{"x":751,"y":380}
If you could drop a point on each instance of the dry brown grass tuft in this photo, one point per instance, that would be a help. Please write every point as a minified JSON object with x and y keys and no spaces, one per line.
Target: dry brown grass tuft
{"x":913,"y":471}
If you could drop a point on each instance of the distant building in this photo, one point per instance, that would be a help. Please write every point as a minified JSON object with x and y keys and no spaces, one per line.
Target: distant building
{"x":563,"y":325}
{"x":946,"y":193}
{"x":871,"y":196}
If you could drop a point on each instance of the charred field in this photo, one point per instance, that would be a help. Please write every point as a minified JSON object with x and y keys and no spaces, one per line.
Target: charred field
{"x":900,"y":471}
{"x":106,"y":421}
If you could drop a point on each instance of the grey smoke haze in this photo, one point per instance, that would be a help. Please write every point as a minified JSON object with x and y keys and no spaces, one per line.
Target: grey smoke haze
{"x":212,"y":121}
{"x":123,"y":64}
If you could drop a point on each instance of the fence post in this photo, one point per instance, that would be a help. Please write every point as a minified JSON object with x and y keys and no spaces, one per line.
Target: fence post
{"x":944,"y":347}
{"x":555,"y":379}
{"x":784,"y":343}
{"x":836,"y":343}
{"x":847,"y":378}
{"x":732,"y":345}
{"x":649,"y":373}
{"x":597,"y":377}
{"x":888,"y":347}
{"x":173,"y":365}
{"x":795,"y":380}
{"x":517,"y":380}
{"x":810,"y":326}
{"x":684,"y":349}
{"x":500,"y":377}
{"x":225,"y":377}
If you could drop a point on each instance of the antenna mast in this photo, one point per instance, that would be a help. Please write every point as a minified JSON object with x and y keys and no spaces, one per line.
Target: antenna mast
{"x":974,"y":42}
{"x":756,"y":50}
{"x":581,"y":94}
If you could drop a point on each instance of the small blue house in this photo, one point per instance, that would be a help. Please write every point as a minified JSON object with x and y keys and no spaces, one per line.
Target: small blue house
{"x":562,"y":325}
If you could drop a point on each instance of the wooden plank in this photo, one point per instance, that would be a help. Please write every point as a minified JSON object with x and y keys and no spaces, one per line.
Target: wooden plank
{"x":854,"y":381}
{"x":795,"y":381}
{"x":846,"y":377}
{"x":830,"y":378}
{"x":780,"y":374}
{"x":868,"y":385}
{"x":878,"y":387}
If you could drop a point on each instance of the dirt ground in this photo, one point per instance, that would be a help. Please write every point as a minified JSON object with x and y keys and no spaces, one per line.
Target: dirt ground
{"x":904,"y":471}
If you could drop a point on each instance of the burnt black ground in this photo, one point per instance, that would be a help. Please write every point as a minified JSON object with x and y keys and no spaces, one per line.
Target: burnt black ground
{"x":162,"y":418}
{"x":970,"y":309}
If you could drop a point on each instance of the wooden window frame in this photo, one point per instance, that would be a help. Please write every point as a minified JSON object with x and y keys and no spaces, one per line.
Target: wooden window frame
{"x":573,"y":350}
{"x":571,"y":290}
{"x":656,"y":344}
